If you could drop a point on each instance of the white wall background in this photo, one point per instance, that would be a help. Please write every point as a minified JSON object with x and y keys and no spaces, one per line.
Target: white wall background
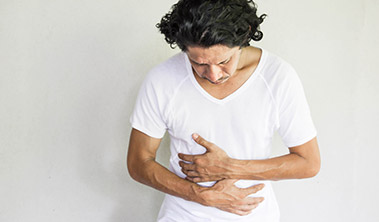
{"x":69,"y":75}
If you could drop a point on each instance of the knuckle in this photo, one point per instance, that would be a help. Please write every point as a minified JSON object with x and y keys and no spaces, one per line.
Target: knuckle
{"x":198,"y":161}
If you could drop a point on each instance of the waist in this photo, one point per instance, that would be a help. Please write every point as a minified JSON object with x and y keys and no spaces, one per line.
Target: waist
{"x":265,"y":211}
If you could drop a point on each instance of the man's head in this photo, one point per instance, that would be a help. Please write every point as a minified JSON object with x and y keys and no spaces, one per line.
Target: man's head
{"x":205,"y":23}
{"x":216,"y":63}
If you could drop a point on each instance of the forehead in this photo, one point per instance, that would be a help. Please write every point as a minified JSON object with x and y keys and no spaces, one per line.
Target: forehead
{"x":210,"y":55}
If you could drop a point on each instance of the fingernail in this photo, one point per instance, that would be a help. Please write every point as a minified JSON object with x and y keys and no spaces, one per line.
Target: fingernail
{"x":195,"y":136}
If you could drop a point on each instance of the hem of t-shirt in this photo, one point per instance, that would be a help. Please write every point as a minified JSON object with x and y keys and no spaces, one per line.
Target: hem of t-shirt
{"x":148,"y":132}
{"x":301,"y":141}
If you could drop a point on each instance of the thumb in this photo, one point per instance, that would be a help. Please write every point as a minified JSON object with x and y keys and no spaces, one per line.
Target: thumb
{"x":253,"y":189}
{"x":201,"y":141}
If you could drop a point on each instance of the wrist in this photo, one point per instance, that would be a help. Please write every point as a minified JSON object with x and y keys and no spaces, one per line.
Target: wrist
{"x":197,"y":194}
{"x":239,"y":169}
{"x":229,"y":166}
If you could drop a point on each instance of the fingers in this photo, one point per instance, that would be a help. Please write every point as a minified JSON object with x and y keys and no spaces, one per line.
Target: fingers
{"x":253,"y":200}
{"x":246,"y":205}
{"x":242,"y":210}
{"x":253,"y":189}
{"x":186,"y":157}
{"x":189,"y":170}
{"x":199,"y":179}
{"x":187,"y":166}
{"x":192,"y":174}
{"x":199,"y":140}
{"x":246,"y":209}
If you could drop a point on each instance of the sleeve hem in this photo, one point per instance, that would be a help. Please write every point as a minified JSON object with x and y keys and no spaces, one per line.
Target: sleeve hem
{"x":148,"y":132}
{"x":300,"y":141}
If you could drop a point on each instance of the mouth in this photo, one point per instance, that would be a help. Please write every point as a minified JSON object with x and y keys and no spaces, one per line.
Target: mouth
{"x":219,"y":81}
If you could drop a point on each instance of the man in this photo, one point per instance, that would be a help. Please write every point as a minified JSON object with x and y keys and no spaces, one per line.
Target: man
{"x":221,"y":101}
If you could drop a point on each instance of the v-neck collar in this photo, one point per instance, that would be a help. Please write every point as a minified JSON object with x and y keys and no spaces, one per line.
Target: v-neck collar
{"x":242,"y":88}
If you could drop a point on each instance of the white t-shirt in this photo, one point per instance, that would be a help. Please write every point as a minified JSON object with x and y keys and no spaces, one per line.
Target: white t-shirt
{"x":242,"y":124}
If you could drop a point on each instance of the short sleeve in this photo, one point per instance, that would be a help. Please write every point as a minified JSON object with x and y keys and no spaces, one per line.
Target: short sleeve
{"x":148,"y":115}
{"x":295,"y":122}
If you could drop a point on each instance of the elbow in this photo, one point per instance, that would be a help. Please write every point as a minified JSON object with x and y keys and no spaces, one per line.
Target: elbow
{"x":138,"y":169}
{"x":132,"y":169}
{"x":312,"y":170}
{"x":132,"y":173}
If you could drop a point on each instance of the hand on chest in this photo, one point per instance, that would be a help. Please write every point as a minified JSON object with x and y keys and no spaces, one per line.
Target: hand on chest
{"x":249,"y":116}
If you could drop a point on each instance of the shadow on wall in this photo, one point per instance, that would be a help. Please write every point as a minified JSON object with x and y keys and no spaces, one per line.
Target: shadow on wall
{"x":103,"y":112}
{"x":147,"y":198}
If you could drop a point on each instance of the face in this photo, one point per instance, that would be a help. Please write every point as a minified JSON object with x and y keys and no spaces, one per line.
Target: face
{"x":216,"y":64}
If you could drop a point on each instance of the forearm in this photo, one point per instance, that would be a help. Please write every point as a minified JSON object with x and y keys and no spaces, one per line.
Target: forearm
{"x":155,"y":175}
{"x":223,"y":195}
{"x":143,"y":168}
{"x":290,"y":166}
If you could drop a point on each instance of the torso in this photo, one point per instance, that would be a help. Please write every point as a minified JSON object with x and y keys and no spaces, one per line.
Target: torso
{"x":240,"y":116}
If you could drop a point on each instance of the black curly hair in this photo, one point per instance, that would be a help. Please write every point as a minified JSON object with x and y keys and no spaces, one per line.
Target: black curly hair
{"x":211,"y":22}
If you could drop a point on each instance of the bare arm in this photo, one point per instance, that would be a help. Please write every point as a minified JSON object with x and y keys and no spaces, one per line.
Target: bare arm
{"x":144,"y":169}
{"x":223,"y":195}
{"x":302,"y":162}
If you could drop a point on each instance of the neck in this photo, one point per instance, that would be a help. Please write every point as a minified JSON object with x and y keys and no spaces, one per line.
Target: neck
{"x":242,"y":60}
{"x":250,"y":56}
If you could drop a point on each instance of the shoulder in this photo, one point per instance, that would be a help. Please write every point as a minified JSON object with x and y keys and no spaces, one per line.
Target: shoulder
{"x":276,"y":71}
{"x":170,"y":71}
{"x":164,"y":79}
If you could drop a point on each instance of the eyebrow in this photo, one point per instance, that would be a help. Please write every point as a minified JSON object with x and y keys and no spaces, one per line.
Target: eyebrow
{"x":226,"y":60}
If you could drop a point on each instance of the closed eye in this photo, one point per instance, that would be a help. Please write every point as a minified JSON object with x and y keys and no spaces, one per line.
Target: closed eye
{"x":224,"y":62}
{"x":198,"y":64}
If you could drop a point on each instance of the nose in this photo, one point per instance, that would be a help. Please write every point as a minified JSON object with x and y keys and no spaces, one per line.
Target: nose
{"x":214,"y":73}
